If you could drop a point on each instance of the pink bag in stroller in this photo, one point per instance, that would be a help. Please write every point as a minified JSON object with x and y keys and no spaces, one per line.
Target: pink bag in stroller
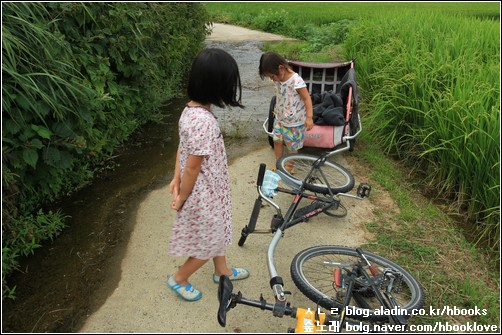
{"x":323,"y":137}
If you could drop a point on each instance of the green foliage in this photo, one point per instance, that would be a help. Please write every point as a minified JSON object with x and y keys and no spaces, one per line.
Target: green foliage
{"x":474,"y":294}
{"x":433,"y":95}
{"x":78,"y":79}
{"x":325,"y":36}
{"x":422,"y":238}
{"x":24,"y":235}
{"x":324,"y":25}
{"x":319,"y":13}
{"x":42,"y":97}
{"x":271,"y":21}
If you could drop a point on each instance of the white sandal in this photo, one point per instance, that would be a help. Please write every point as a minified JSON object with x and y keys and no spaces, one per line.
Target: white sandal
{"x":189,"y":293}
{"x":237,"y":274}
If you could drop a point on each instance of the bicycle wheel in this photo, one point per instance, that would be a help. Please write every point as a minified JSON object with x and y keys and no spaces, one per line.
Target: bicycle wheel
{"x":271,"y":119}
{"x":339,"y":178}
{"x":315,"y":279}
{"x":339,"y":212}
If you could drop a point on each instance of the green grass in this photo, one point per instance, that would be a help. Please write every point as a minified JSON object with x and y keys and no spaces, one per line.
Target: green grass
{"x":319,"y":13}
{"x":425,"y":240}
{"x":433,"y":96}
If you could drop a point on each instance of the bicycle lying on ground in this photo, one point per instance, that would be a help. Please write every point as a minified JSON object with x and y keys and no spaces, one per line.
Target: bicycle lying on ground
{"x":319,"y":176}
{"x":351,"y":284}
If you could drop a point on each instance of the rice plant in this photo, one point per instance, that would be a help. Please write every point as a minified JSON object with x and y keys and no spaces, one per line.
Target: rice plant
{"x":434,"y":85}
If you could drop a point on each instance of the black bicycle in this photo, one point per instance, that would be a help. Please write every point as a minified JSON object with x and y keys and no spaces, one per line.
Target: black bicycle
{"x":351,"y":284}
{"x":318,"y":177}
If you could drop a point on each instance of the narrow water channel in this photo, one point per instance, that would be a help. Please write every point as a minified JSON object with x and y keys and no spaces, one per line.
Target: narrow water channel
{"x":53,"y":292}
{"x":68,"y":278}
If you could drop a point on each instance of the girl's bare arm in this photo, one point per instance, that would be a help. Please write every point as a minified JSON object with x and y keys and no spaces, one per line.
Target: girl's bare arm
{"x":188,"y":179}
{"x":305,"y":96}
{"x":174,"y":186}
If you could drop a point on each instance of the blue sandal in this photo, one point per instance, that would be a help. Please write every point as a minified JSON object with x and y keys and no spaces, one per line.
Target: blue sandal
{"x":237,"y":274}
{"x":189,"y":293}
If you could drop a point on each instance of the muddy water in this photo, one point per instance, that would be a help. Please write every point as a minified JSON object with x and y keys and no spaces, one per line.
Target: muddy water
{"x":73,"y":275}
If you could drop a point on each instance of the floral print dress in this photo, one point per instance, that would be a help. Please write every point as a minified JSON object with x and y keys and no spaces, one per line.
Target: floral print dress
{"x":290,"y":109}
{"x":203,"y":226}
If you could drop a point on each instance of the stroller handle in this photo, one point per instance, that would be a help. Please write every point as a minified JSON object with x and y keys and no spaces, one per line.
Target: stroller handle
{"x":265,"y":128}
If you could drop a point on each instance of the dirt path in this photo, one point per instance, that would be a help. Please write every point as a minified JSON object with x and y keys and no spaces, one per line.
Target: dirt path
{"x":142,"y":303}
{"x":226,"y":32}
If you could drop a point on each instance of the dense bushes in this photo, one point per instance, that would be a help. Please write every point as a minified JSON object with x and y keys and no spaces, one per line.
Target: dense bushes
{"x":78,"y":79}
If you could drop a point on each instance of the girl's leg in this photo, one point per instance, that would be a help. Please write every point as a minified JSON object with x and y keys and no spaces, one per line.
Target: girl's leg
{"x":278,"y":138}
{"x":187,"y":269}
{"x":278,"y":149}
{"x":220,"y":266}
{"x":294,"y":137}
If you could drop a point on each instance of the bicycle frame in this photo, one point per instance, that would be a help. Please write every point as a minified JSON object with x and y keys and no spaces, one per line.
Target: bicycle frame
{"x":299,"y":193}
{"x":281,"y":224}
{"x":276,"y":281}
{"x":280,"y":307}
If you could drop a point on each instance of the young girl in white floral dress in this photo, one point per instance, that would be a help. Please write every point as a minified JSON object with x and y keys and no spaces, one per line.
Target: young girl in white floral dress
{"x":201,"y":184}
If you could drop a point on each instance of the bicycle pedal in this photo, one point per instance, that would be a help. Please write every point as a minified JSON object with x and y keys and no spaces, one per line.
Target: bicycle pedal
{"x":393,"y":283}
{"x":363,"y":190}
{"x":398,"y":283}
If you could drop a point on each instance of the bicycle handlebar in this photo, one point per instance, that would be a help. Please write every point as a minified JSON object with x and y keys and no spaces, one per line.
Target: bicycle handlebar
{"x":229,"y":300}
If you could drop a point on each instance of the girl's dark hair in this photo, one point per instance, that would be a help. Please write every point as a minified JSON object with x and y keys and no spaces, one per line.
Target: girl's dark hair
{"x":214,"y":79}
{"x":269,"y":63}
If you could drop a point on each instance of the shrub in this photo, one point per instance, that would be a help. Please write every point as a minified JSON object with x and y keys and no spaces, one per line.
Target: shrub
{"x":271,"y":21}
{"x":78,"y":79}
